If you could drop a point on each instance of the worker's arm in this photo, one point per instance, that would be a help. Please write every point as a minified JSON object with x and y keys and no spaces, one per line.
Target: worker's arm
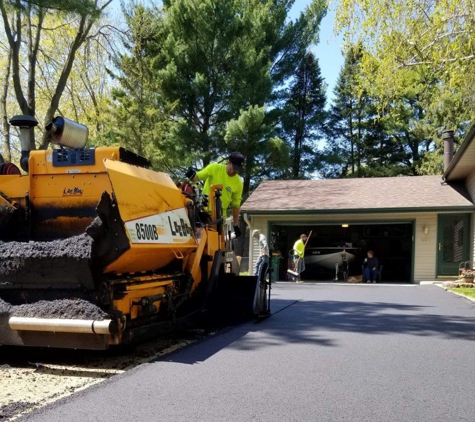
{"x":195,"y":176}
{"x":236,"y":216}
{"x":236,"y":198}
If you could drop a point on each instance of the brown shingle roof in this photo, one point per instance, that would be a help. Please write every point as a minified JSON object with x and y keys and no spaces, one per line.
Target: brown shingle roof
{"x":412,"y":193}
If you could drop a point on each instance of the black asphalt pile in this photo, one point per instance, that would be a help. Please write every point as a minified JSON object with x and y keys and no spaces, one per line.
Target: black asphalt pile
{"x":4,"y":307}
{"x":76,"y":247}
{"x":63,"y":309}
{"x":10,"y":410}
{"x":65,"y":261}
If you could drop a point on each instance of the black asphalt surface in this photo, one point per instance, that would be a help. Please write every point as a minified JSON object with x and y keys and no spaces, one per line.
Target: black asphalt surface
{"x":328,"y":353}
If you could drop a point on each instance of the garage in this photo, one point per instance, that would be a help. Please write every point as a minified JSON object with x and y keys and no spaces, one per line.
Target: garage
{"x":416,"y":225}
{"x":331,"y":244}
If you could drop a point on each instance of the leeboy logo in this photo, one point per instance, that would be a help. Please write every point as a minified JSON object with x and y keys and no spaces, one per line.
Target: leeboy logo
{"x":72,"y":191}
{"x":228,"y":188}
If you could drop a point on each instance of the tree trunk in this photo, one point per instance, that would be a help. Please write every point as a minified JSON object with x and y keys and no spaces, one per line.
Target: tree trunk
{"x":83,"y":31}
{"x":33,"y":46}
{"x":7,"y":155}
{"x":63,"y":79}
{"x":14,"y":41}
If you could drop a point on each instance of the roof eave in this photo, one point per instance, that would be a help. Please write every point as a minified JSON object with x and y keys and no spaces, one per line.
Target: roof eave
{"x":460,"y":152}
{"x":461,"y":208}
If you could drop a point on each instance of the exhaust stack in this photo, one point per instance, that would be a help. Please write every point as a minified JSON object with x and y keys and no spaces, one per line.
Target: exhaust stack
{"x":448,"y":137}
{"x":25,"y":123}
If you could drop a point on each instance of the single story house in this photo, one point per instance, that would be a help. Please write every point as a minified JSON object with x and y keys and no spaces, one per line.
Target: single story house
{"x":421,"y":228}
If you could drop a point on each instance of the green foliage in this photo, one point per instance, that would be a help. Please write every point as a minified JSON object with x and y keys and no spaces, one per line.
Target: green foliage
{"x":204,"y":63}
{"x":291,"y":42}
{"x":416,"y":54}
{"x":369,"y":136}
{"x":199,"y":67}
{"x":50,"y":43}
{"x":265,"y":153}
{"x":217,"y":59}
{"x":465,"y":291}
{"x":141,"y":120}
{"x":88,"y":7}
{"x":357,"y":145}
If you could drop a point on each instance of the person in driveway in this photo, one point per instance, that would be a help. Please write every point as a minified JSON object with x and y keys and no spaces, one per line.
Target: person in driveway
{"x":263,"y":253}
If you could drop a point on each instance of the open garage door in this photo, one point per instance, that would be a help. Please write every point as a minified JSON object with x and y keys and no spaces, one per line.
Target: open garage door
{"x":391,"y":242}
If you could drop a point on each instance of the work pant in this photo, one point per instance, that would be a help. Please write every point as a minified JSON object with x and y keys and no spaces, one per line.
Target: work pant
{"x":263,"y":259}
{"x":259,"y":295}
{"x":370,"y":274}
{"x":299,"y":266}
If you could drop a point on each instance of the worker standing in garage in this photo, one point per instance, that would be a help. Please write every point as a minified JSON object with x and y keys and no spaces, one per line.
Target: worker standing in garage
{"x":371,"y":266}
{"x":299,"y":250}
{"x":228,"y":176}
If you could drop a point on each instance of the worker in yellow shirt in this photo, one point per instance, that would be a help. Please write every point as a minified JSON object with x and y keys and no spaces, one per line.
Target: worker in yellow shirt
{"x":228,"y":176}
{"x":299,"y":254}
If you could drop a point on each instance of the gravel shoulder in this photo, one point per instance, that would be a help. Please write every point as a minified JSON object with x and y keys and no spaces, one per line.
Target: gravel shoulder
{"x":31,"y":378}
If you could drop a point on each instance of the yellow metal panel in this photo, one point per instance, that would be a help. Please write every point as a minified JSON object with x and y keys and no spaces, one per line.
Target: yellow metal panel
{"x":156,"y":222}
{"x":69,"y":187}
{"x":140,"y":287}
{"x":15,"y":187}
{"x":41,"y":162}
{"x":146,"y":258}
{"x":64,"y":204}
{"x":142,"y":192}
{"x":193,"y":264}
{"x":126,"y":304}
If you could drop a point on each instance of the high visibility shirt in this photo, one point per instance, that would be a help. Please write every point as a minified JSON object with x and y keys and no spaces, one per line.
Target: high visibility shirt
{"x":299,"y":247}
{"x":215,"y":174}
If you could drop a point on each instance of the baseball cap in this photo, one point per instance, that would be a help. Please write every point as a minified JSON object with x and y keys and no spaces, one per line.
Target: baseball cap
{"x":237,"y":160}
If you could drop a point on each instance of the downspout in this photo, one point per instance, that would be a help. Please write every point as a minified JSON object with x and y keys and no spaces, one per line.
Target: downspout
{"x":246,"y":219}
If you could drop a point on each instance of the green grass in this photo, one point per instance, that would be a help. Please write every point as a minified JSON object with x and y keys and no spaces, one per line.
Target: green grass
{"x":465,"y":291}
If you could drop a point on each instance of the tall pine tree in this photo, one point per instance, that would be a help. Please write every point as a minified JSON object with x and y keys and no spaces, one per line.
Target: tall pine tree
{"x":304,"y":116}
{"x":141,"y":116}
{"x":358,"y":145}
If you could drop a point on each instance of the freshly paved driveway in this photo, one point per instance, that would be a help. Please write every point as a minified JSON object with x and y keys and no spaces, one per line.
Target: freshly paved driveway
{"x":329,"y":353}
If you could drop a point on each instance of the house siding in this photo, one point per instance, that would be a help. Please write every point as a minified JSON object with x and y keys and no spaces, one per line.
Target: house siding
{"x":425,"y":246}
{"x":470,"y":185}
